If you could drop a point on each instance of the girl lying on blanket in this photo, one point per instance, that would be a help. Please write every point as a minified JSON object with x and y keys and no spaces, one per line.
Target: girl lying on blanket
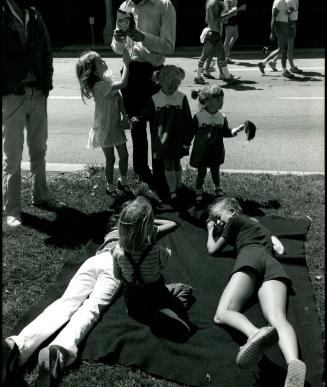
{"x":255,"y":268}
{"x":138,"y":262}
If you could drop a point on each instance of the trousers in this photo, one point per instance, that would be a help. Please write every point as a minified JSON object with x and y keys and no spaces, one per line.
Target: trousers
{"x":89,"y":292}
{"x":18,"y":112}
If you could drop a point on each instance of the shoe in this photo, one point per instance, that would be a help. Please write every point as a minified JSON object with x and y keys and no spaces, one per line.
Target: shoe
{"x":287,"y":74}
{"x":10,"y":356}
{"x":200,"y":81}
{"x":13,"y":221}
{"x":229,"y":61}
{"x":165,"y":324}
{"x":261,"y":67}
{"x":124,"y":188}
{"x":296,"y":70}
{"x":219,"y":193}
{"x":256,"y":345}
{"x":231,"y":79}
{"x":49,"y":204}
{"x":208,"y":75}
{"x":272,"y":66}
{"x":51,"y":366}
{"x":295,"y":374}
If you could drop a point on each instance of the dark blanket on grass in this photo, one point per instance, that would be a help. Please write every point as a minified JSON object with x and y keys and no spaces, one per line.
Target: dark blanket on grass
{"x":208,"y":357}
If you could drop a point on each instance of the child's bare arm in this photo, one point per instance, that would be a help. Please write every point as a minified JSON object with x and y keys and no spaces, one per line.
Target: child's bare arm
{"x":165,"y":225}
{"x":212,"y":245}
{"x":125,"y":74}
{"x":277,"y":245}
{"x":237,"y":129}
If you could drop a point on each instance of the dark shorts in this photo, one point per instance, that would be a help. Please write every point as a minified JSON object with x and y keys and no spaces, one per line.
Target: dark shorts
{"x":282,"y":33}
{"x":292,"y":29}
{"x":212,"y":37}
{"x":265,"y":265}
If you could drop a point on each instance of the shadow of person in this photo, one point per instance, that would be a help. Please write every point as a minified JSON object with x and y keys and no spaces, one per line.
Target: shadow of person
{"x":247,"y":64}
{"x":71,"y":228}
{"x":241,"y":85}
{"x":312,"y":74}
{"x":304,"y":79}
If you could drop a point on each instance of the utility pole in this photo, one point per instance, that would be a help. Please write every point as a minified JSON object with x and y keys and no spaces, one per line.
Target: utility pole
{"x":109,"y":27}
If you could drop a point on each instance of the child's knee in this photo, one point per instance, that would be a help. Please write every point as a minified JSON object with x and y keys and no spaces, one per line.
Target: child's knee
{"x":219,"y":316}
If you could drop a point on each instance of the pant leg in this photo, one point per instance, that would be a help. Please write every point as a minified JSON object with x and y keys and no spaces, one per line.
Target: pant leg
{"x":14,"y":110}
{"x":104,"y":290}
{"x":37,"y":135}
{"x":59,"y":312}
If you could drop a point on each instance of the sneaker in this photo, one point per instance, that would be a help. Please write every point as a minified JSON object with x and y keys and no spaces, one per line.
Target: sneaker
{"x":296,"y":70}
{"x":287,"y":74}
{"x":10,"y":356}
{"x":261,"y":67}
{"x":49,"y":204}
{"x":200,"y":81}
{"x":124,"y":188}
{"x":231,"y":79}
{"x":167,"y":324}
{"x":13,"y":221}
{"x":256,"y":345}
{"x":229,"y":61}
{"x":295,"y":374}
{"x":208,"y":75}
{"x":272,"y":66}
{"x":51,"y":366}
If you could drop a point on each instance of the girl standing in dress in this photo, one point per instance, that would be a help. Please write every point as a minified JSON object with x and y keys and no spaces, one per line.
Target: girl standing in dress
{"x":210,"y":127}
{"x":170,"y":118}
{"x":139,"y":262}
{"x":108,"y":126}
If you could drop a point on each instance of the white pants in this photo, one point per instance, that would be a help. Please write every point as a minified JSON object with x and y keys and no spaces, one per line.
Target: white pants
{"x":88,"y":293}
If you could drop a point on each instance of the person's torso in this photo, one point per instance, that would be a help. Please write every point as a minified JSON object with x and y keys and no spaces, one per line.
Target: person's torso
{"x":282,"y":15}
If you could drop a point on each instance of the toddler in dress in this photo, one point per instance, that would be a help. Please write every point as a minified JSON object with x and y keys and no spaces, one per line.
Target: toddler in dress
{"x":110,"y":117}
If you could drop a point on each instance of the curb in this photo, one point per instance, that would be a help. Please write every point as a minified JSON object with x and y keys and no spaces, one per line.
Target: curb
{"x":61,"y":167}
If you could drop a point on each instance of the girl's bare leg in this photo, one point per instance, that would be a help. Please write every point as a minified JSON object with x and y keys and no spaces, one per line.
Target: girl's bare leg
{"x":109,"y":166}
{"x":123,"y":162}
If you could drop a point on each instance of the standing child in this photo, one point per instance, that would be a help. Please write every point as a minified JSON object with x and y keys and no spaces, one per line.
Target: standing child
{"x":255,"y":268}
{"x":107,"y":130}
{"x":139,"y":262}
{"x":171,"y":125}
{"x":210,"y":127}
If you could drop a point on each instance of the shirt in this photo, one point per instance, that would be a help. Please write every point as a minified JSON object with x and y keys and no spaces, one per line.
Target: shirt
{"x":157,"y":20}
{"x":282,"y":15}
{"x":241,"y":231}
{"x":213,"y":18}
{"x":295,"y":5}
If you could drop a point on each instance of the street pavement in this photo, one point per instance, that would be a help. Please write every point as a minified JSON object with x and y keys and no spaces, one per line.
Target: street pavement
{"x":289,"y":115}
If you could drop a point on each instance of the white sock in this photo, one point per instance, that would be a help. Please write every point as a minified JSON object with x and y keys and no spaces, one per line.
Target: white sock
{"x":225,"y":71}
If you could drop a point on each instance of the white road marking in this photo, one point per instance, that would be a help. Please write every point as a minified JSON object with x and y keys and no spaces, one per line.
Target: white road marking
{"x":301,"y":98}
{"x":65,"y":97}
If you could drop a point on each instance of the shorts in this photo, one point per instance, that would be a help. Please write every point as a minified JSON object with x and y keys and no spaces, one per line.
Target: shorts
{"x":282,"y":33}
{"x":212,"y":37}
{"x":265,"y":265}
{"x":291,"y":29}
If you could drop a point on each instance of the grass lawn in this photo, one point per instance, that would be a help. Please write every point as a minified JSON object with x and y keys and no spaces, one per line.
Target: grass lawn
{"x":32,"y":255}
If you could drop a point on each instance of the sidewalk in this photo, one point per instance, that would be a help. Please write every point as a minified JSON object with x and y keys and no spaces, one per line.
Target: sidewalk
{"x":192,"y":51}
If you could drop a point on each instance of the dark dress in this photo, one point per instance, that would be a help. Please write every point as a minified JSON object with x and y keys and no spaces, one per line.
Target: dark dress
{"x":208,"y":146}
{"x":171,"y":125}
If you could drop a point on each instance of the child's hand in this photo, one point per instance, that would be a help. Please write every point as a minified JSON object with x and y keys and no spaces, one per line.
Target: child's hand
{"x":237,"y":129}
{"x":135,"y":35}
{"x":126,"y":57}
{"x":119,"y":35}
{"x":134,"y":120}
{"x":125,"y":123}
{"x":211,"y":226}
{"x":272,"y":36}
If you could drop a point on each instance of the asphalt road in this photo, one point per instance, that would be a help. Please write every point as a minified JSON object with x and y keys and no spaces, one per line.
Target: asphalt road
{"x":289,"y":115}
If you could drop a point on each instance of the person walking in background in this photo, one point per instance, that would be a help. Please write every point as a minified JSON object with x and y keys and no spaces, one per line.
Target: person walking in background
{"x":27,"y":70}
{"x":271,"y":59}
{"x":280,"y":29}
{"x":231,"y":27}
{"x":110,"y":116}
{"x":149,"y":41}
{"x":212,"y":42}
{"x":171,"y":129}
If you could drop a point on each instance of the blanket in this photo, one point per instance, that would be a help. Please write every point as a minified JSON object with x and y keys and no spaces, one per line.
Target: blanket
{"x":208,"y":357}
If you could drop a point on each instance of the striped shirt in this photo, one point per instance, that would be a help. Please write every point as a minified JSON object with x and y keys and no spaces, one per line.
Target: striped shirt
{"x":151,"y":267}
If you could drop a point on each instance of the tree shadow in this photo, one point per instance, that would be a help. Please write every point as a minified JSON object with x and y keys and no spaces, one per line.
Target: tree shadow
{"x":71,"y":228}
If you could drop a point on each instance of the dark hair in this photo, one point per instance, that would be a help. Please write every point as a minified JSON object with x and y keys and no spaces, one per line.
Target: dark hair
{"x":206,"y":92}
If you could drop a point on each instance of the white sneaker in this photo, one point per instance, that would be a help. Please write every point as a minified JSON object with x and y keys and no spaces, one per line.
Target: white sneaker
{"x":14,"y":221}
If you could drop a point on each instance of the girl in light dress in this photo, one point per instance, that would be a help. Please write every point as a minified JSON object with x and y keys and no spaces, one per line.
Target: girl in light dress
{"x":110,"y":117}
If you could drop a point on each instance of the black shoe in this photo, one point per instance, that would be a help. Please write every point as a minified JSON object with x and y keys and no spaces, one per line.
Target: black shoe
{"x":51,"y":374}
{"x":10,"y":356}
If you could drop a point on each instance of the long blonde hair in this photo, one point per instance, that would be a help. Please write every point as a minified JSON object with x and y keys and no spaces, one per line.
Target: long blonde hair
{"x":85,"y":71}
{"x":135,"y":224}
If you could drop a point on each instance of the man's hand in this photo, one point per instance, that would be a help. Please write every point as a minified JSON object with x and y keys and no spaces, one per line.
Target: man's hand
{"x":272,"y":36}
{"x":136,"y":35}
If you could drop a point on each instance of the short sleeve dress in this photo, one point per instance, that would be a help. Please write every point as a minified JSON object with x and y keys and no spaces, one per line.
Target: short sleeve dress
{"x":106,"y":130}
{"x":208,"y":147}
{"x":171,"y":124}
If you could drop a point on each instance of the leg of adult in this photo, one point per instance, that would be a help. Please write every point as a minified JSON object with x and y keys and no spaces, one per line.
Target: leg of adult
{"x":238,"y":290}
{"x":123,"y":162}
{"x":231,"y":35}
{"x":13,"y":123}
{"x":222,"y":64}
{"x":273,"y":301}
{"x":170,"y":176}
{"x":282,"y":36}
{"x":178,"y":173}
{"x":207,"y":49}
{"x":271,"y":57}
{"x":109,"y":153}
{"x":37,"y":135}
{"x":58,"y":313}
{"x":290,"y":52}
